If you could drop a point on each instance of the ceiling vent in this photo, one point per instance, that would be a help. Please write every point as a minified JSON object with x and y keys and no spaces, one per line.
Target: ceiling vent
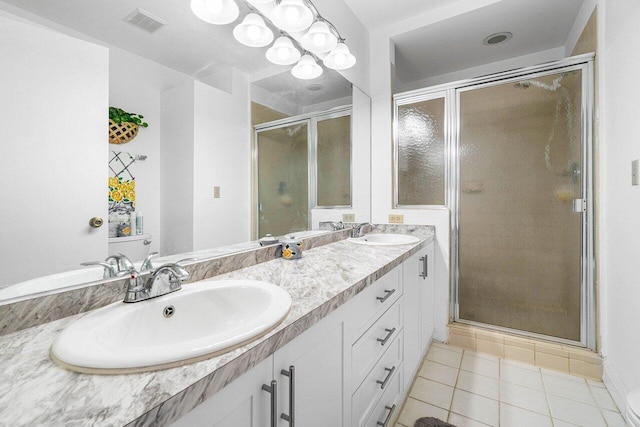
{"x":144,"y":20}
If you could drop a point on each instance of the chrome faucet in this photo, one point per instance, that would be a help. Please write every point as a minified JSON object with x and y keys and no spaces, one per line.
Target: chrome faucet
{"x":358,"y":230}
{"x":146,"y":264}
{"x":335,"y":226}
{"x":165,"y":279}
{"x":109,"y":271}
{"x":122,"y":264}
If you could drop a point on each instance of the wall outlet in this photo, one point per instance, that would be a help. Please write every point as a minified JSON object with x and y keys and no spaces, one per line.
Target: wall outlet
{"x":396,"y":219}
{"x":635,"y":172}
{"x":216,"y":192}
{"x":348,"y":217}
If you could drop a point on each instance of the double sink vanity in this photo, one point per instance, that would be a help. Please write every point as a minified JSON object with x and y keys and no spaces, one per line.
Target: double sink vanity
{"x":332,"y":339}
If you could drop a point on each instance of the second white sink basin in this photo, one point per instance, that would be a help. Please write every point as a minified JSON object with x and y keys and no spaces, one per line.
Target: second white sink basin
{"x":384,"y":239}
{"x":195,"y":323}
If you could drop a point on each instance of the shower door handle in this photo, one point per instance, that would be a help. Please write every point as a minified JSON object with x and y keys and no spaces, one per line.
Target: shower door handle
{"x":579,"y":205}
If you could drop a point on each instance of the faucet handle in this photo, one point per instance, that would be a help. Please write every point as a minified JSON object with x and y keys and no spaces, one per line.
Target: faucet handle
{"x":146,"y":264}
{"x":109,"y":271}
{"x":185,"y":260}
{"x":123,"y":264}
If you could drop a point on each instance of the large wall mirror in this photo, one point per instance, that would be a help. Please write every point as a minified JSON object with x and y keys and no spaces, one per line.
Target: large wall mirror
{"x":199,"y":183}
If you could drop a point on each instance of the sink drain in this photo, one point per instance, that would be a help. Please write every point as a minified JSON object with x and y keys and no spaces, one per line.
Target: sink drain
{"x":169,"y":311}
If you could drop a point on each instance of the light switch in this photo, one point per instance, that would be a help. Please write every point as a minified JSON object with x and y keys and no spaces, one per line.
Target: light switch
{"x":216,"y":192}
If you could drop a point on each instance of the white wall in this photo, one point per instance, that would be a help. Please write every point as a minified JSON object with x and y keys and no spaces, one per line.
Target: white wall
{"x":135,"y":85}
{"x":222,"y":150}
{"x":53,"y":100}
{"x":176,"y":162}
{"x":620,"y":201}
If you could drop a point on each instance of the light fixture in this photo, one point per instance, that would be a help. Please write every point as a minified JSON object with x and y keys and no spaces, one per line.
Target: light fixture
{"x":292,"y":16}
{"x":306,"y":68}
{"x":319,"y":38}
{"x":252,"y":31}
{"x":339,"y":58}
{"x":283,"y":52}
{"x":255,"y":2}
{"x":497,"y":38}
{"x":217,"y":12}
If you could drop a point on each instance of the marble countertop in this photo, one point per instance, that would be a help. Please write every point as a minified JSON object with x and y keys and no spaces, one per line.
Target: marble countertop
{"x":36,"y":391}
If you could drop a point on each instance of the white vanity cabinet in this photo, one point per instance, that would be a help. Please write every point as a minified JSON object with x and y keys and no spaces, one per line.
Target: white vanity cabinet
{"x":351,"y":369}
{"x":419,"y":299}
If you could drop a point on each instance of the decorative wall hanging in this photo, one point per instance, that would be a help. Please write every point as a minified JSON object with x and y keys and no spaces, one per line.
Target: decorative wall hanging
{"x":123,"y":126}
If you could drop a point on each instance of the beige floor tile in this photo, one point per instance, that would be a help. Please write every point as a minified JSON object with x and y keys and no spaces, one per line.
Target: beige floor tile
{"x":481,"y":355}
{"x":595,"y":383}
{"x":414,"y":409}
{"x":614,"y":419}
{"x":438,"y":372}
{"x":480,"y":365}
{"x":433,"y":393}
{"x":565,"y":387}
{"x":479,"y":384}
{"x":444,"y":356}
{"x":575,"y":412}
{"x":560,"y":423}
{"x":460,"y":421}
{"x":603,"y":398}
{"x":524,"y":397}
{"x":521,"y":376}
{"x":476,"y":407}
{"x":447,"y":346}
{"x":514,"y":416}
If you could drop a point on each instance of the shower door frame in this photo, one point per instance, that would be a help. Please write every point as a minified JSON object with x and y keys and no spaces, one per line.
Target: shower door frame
{"x":588,"y":297}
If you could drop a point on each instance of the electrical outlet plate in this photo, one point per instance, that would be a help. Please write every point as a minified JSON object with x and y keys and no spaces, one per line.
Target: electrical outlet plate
{"x":216,"y":192}
{"x":348,"y":217}
{"x":396,"y":219}
{"x":635,"y":172}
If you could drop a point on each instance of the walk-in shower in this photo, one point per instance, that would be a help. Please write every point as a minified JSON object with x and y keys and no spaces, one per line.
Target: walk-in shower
{"x":519,"y":189}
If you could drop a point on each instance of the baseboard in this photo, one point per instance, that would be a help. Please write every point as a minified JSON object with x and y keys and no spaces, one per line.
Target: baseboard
{"x":616,"y":388}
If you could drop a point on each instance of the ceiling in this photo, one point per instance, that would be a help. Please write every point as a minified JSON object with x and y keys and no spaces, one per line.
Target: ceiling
{"x":376,"y":14}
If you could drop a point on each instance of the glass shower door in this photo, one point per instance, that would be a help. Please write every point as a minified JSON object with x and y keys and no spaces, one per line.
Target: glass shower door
{"x":283,"y":179}
{"x":520,"y":224}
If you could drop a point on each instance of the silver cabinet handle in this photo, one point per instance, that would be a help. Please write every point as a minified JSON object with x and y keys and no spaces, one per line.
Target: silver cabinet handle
{"x":273,"y":390}
{"x":425,"y":267}
{"x":391,"y":409}
{"x":384,"y":382}
{"x":291,"y":374}
{"x":384,"y":340}
{"x":388,"y":293}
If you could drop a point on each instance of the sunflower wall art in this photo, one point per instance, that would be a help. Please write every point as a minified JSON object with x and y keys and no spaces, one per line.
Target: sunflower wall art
{"x":122,"y":192}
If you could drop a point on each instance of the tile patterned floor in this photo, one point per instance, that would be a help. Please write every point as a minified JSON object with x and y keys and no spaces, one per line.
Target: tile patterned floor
{"x":470,"y":389}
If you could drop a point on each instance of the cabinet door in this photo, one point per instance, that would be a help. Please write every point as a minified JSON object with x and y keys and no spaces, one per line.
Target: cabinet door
{"x":317,"y":360}
{"x":426,"y":295}
{"x":411,"y":269}
{"x":242,"y":403}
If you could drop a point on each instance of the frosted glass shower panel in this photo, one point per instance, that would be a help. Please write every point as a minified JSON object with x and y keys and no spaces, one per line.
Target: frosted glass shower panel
{"x":520,"y":240}
{"x":283,"y":184}
{"x":334,"y":161}
{"x":420,"y":159}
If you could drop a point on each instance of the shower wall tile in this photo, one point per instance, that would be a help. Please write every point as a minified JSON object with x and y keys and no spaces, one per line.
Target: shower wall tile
{"x":520,"y":354}
{"x":490,"y":347}
{"x":585,"y":369}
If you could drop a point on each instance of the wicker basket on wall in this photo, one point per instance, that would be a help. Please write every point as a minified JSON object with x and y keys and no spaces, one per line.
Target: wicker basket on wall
{"x":121,"y":133}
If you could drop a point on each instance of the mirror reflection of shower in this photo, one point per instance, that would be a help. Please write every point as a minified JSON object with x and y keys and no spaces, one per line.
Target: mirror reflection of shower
{"x":564,"y":111}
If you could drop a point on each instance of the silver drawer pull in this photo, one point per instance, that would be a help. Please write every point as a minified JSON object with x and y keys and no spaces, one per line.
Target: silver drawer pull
{"x":384,"y":340}
{"x":273,"y":390}
{"x":291,"y":374}
{"x":383,"y":383}
{"x":425,"y":267}
{"x":388,"y":294}
{"x":391,"y":409}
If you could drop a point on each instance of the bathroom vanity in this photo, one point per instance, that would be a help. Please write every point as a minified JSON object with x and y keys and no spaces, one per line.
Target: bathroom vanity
{"x":360,"y":322}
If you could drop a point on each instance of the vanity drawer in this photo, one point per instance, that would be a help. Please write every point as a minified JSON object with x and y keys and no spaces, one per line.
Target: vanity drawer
{"x":386,"y":371}
{"x":389,"y":405}
{"x":368,"y":349}
{"x":376,"y":299}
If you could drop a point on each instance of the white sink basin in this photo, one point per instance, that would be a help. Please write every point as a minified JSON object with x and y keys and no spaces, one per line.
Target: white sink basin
{"x":208,"y":318}
{"x":384,"y":239}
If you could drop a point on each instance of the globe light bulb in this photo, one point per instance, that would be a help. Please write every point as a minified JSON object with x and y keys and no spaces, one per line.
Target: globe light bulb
{"x":282,"y":53}
{"x":214,"y":6}
{"x":319,"y":39}
{"x":307,"y":69}
{"x":291,"y":15}
{"x":341,"y":58}
{"x":253,"y":32}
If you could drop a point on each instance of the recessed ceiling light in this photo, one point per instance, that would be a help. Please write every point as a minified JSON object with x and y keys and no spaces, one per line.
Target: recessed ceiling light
{"x":315,"y":87}
{"x":497,"y":38}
